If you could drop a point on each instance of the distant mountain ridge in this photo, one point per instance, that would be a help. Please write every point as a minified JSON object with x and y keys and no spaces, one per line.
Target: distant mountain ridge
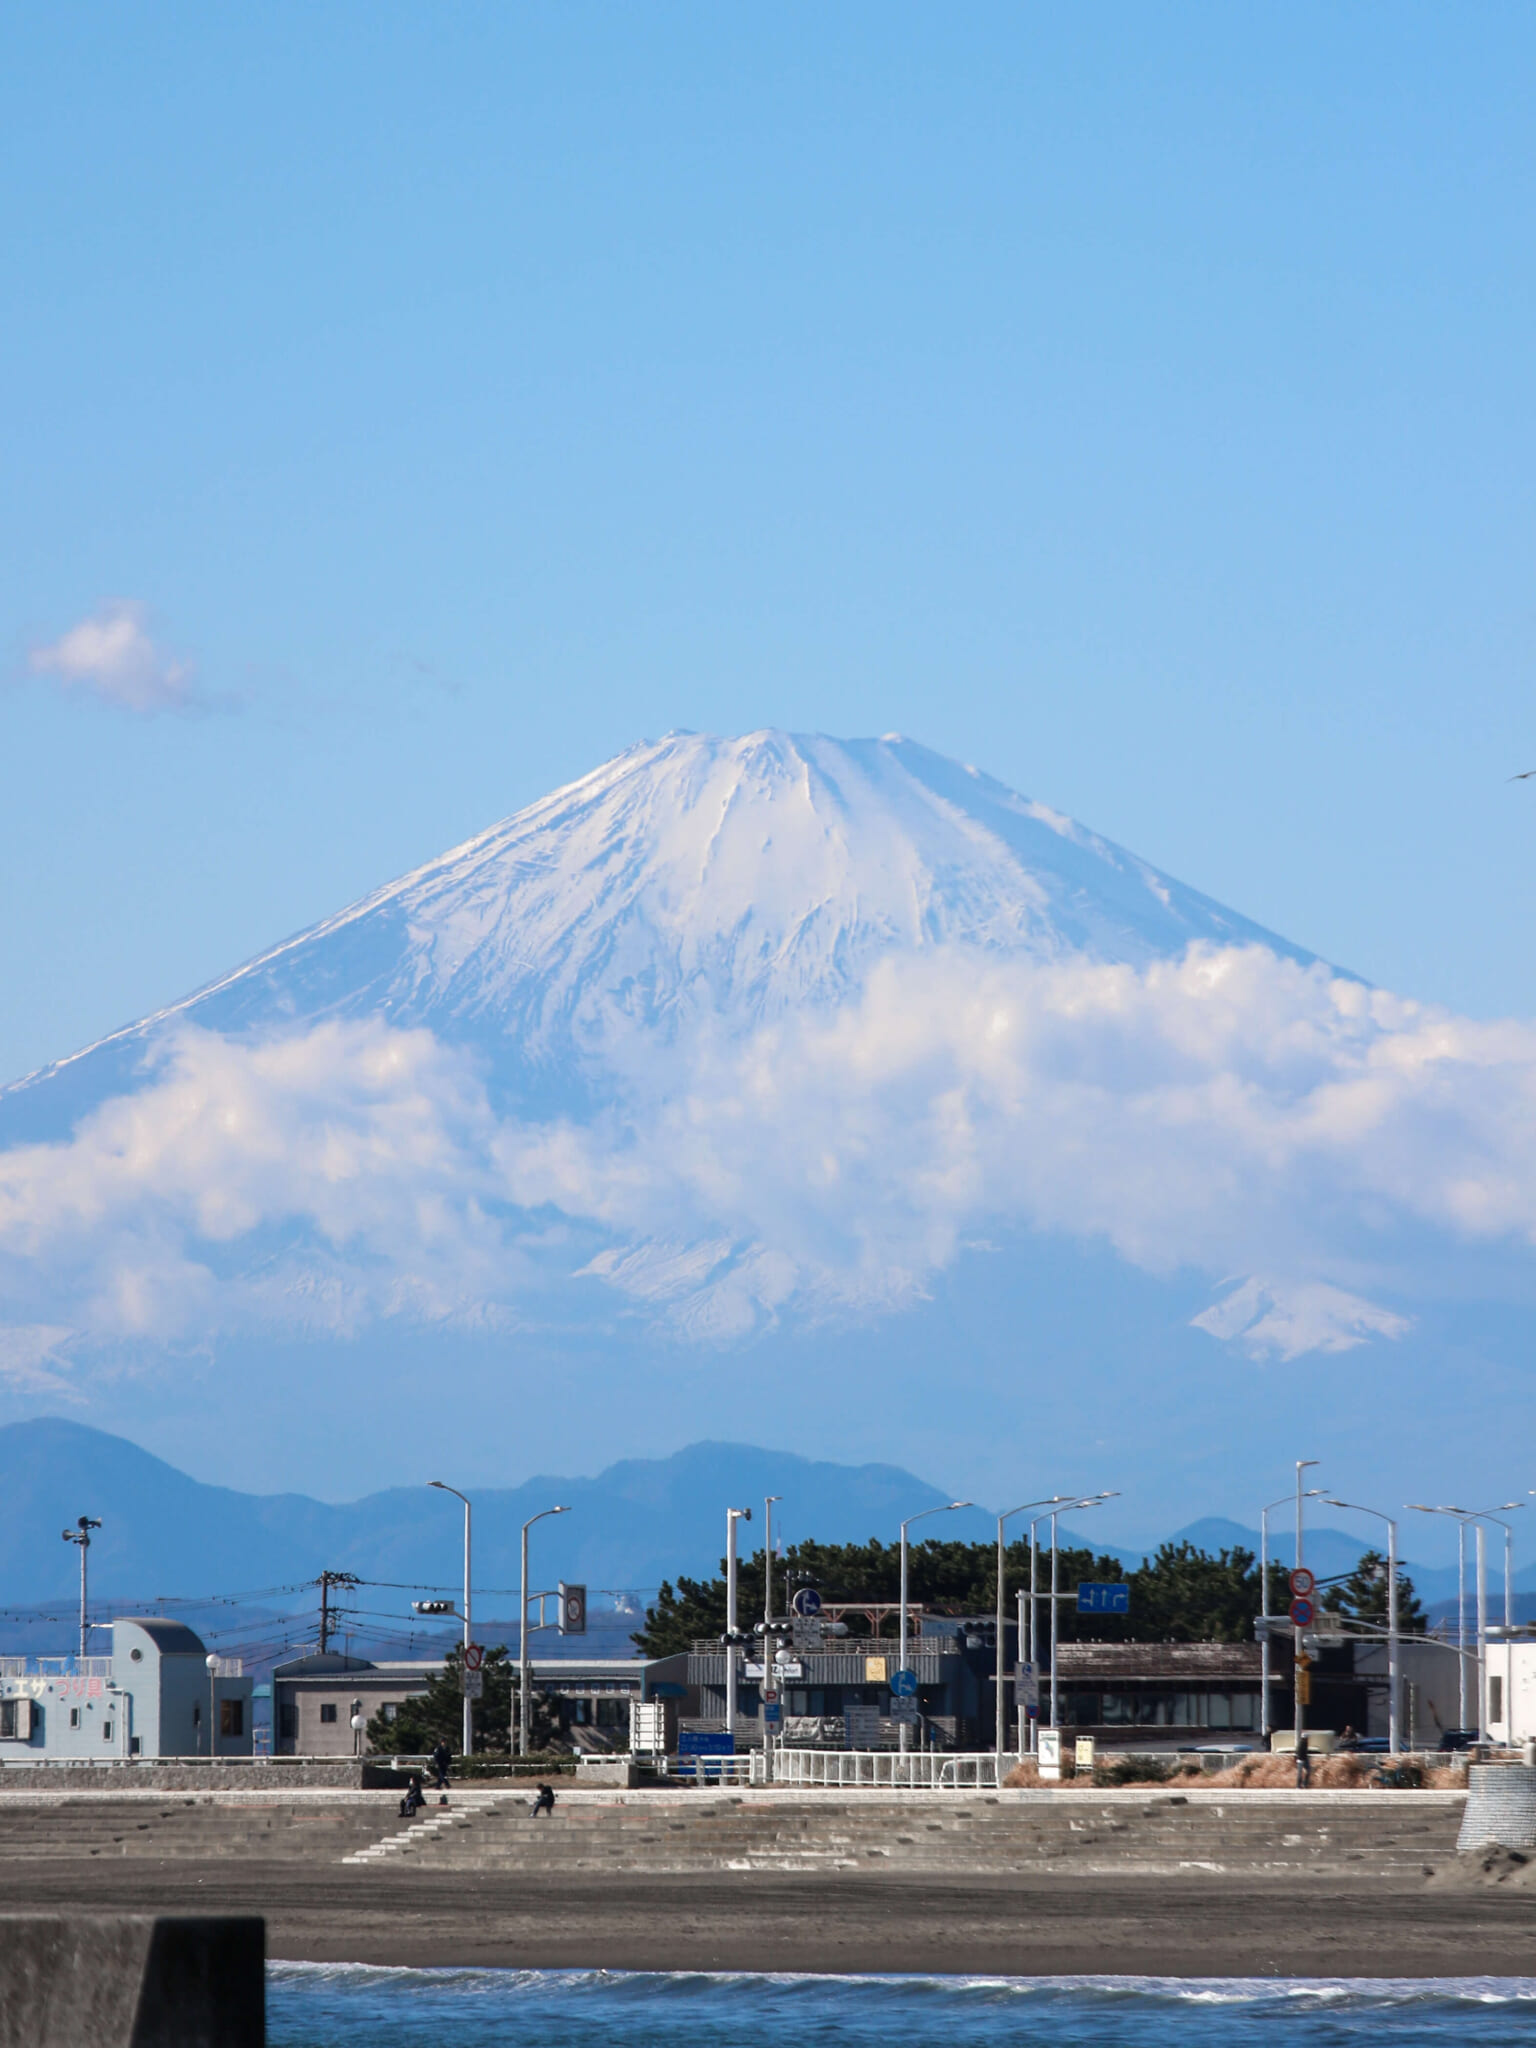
{"x":640,"y":1521}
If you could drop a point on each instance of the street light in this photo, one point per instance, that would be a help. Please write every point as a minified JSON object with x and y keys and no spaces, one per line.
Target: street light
{"x":948,"y":1508}
{"x":1354,"y":1507}
{"x":1300,"y":1712}
{"x":732,"y":1517}
{"x":523,"y":1672}
{"x":1264,"y":1514}
{"x":1479,"y":1516}
{"x":1007,"y":1515}
{"x":81,"y":1534}
{"x":212,"y":1664}
{"x":770,"y":1644}
{"x":469,"y":1715}
{"x":1461,"y":1517}
{"x":1060,"y":1500}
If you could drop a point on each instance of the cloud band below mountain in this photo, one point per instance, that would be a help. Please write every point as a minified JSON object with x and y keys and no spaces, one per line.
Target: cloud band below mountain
{"x":1230,"y":1112}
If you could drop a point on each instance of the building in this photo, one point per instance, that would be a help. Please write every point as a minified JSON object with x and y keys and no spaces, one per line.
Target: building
{"x":825,"y":1693}
{"x":315,"y":1698}
{"x":154,"y":1696}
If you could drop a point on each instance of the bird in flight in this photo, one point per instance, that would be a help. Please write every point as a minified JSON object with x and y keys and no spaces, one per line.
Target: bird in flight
{"x":1524,"y":775}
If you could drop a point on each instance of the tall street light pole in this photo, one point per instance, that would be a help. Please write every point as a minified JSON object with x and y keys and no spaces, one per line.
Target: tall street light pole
{"x":1478,"y":1516}
{"x":770,"y":1642}
{"x":904,"y":1727}
{"x":81,"y":1534}
{"x":1459,"y":1518}
{"x":1354,"y":1507}
{"x":732,"y":1517}
{"x":1002,"y":1706}
{"x":524,"y":1664}
{"x":1300,"y":1712}
{"x":469,"y":1711}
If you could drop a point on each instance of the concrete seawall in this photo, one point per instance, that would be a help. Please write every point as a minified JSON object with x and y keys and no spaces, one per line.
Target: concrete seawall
{"x":1368,"y":1836}
{"x":131,"y":1980}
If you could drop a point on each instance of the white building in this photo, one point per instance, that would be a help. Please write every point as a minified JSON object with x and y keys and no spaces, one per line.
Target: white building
{"x":154,"y":1696}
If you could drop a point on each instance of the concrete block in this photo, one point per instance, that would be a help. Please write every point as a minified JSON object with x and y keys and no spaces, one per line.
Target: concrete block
{"x":131,"y":1980}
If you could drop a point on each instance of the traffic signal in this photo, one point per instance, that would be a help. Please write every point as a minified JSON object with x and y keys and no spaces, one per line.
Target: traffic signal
{"x":433,"y":1606}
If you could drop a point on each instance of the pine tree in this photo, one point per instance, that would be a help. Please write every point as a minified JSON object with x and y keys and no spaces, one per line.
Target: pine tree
{"x":437,"y":1715}
{"x":1363,"y":1596}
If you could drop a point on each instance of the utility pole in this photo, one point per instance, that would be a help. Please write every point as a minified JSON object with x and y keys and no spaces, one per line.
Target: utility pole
{"x":81,"y":1534}
{"x":327,"y":1613}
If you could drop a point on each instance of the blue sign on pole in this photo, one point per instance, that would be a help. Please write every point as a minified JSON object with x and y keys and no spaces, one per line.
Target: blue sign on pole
{"x":705,"y":1742}
{"x":904,"y":1685}
{"x":806,"y":1602}
{"x":773,"y":1712}
{"x":1103,"y":1599}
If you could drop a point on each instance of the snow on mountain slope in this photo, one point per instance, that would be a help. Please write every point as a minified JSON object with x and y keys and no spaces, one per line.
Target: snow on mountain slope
{"x":736,"y":1031}
{"x":739,"y":878}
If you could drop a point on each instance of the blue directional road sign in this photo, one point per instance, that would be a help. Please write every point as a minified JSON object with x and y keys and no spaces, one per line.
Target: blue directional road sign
{"x":904,"y":1685}
{"x":1103,"y":1599}
{"x":806,"y":1602}
{"x":773,"y":1712}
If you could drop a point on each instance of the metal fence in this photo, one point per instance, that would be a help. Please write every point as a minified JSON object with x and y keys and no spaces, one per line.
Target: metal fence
{"x":918,"y":1770}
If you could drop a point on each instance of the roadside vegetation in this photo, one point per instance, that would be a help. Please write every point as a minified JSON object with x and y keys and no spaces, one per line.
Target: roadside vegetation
{"x":1183,"y":1594}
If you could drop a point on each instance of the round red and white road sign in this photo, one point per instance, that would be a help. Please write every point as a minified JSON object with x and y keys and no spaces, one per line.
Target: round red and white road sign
{"x":474,"y":1656}
{"x":1303,"y":1583}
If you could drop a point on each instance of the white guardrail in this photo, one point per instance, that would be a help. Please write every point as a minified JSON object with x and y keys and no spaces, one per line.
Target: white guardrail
{"x":917,"y":1770}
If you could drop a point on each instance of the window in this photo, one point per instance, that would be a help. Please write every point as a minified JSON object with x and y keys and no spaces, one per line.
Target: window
{"x":287,"y":1722}
{"x":106,"y":1731}
{"x":328,"y":1710}
{"x":135,"y":1745}
{"x":389,"y":1710}
{"x":15,"y":1720}
{"x":231,"y":1717}
{"x":1495,"y":1698}
{"x":137,"y":1656}
{"x":74,"y":1717}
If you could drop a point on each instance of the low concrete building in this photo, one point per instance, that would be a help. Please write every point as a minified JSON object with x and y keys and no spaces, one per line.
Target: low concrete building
{"x":154,"y":1696}
{"x":314,"y":1698}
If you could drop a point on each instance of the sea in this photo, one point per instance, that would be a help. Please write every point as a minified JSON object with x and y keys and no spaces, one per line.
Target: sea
{"x":353,"y":2005}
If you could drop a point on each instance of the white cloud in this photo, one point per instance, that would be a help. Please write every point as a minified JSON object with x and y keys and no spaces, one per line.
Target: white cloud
{"x":112,"y":656}
{"x":1229,"y":1112}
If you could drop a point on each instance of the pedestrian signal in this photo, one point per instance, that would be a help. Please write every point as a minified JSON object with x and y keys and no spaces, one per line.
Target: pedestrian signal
{"x":573,"y":1610}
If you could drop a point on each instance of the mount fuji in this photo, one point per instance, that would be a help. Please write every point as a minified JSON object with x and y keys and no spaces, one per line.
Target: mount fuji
{"x":827,"y":1082}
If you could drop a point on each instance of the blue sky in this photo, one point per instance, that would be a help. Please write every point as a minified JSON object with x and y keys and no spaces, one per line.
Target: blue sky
{"x":1135,"y":401}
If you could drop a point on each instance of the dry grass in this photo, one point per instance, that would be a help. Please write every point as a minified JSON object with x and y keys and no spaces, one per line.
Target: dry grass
{"x":1341,"y":1773}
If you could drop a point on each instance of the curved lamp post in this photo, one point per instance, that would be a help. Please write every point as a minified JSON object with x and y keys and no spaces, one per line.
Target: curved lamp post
{"x":523,"y":1662}
{"x":1051,"y":1500}
{"x":469,"y":1718}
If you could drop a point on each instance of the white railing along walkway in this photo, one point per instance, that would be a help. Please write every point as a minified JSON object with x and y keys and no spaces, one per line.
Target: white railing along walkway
{"x":917,"y":1770}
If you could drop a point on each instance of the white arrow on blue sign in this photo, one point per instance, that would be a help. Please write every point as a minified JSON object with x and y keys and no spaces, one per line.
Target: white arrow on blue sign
{"x":1103,"y":1599}
{"x":806,"y":1602}
{"x":904,"y":1685}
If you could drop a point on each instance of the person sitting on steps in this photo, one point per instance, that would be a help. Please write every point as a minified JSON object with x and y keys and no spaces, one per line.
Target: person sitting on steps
{"x":545,"y":1803}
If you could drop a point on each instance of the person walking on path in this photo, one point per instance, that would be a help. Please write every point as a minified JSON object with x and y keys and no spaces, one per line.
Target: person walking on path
{"x":442,"y":1757}
{"x":1303,"y":1763}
